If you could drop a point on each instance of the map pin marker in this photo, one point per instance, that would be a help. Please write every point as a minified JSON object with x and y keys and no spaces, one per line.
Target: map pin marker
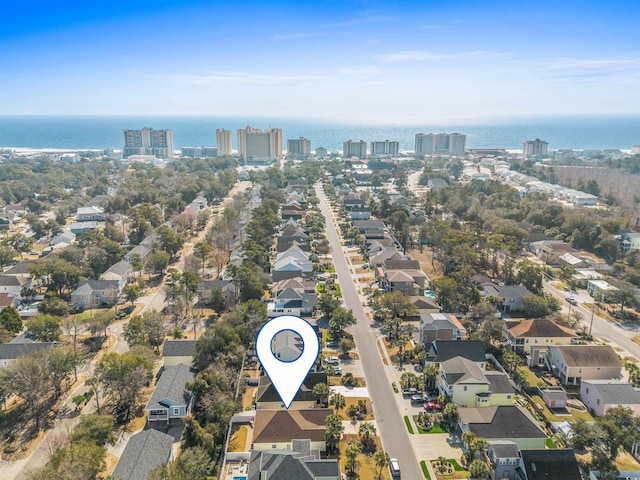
{"x":287,"y":376}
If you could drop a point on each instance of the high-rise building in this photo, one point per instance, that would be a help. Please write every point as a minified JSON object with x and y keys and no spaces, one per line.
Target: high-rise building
{"x":223,"y":142}
{"x":440,"y":144}
{"x":321,"y":152}
{"x":199,"y":152}
{"x":148,"y":142}
{"x":300,"y":147}
{"x":386,"y":148}
{"x":354,"y":149}
{"x":534,"y":148}
{"x":259,"y":146}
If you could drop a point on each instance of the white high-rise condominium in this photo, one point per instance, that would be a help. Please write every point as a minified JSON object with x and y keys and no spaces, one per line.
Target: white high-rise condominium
{"x":259,"y":146}
{"x":354,"y":149}
{"x":534,"y":148}
{"x":440,"y":144}
{"x":148,"y":142}
{"x":223,"y":142}
{"x":299,"y":147}
{"x":386,"y":148}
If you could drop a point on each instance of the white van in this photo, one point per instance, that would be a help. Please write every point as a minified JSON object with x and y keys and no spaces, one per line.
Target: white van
{"x":394,"y":466}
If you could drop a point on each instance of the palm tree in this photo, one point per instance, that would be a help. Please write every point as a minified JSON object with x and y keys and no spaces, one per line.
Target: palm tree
{"x":382,"y":460}
{"x":430,"y":375}
{"x":321,"y":391}
{"x":338,"y":401}
{"x":351,"y":452}
{"x":366,"y":430}
{"x":333,"y":431}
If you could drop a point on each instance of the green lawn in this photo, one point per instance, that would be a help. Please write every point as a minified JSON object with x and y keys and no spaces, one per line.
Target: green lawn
{"x":531,"y":377}
{"x":550,"y":444}
{"x":425,"y":470}
{"x":550,"y":417}
{"x":437,"y":428}
{"x":408,"y":424}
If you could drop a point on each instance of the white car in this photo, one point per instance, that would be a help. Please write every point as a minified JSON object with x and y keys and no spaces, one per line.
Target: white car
{"x":333,"y":360}
{"x":394,"y":466}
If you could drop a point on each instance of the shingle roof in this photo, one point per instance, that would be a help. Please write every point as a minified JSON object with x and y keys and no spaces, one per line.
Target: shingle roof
{"x":11,"y":351}
{"x":615,"y":392}
{"x":278,"y":426}
{"x":267,"y":392}
{"x":145,"y":451}
{"x":504,"y":449}
{"x":443,"y":350}
{"x":121,"y":268}
{"x":171,"y":387}
{"x":506,"y":291}
{"x":499,"y":382}
{"x":541,"y":328}
{"x":461,"y":370}
{"x":179,"y":348}
{"x":558,"y":464}
{"x":588,"y":355}
{"x":500,"y":422}
{"x":11,"y":281}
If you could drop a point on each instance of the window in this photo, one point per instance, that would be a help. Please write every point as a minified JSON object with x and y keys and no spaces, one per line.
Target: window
{"x":587,"y":390}
{"x":508,"y":397}
{"x":176,"y":411}
{"x":465,"y":388}
{"x":273,"y":446}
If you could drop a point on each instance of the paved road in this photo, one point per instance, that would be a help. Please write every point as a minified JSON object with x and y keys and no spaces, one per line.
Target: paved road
{"x":390,"y":422}
{"x":618,"y":333}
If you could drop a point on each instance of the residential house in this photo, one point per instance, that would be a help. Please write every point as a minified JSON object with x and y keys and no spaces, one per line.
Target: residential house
{"x":292,"y":301}
{"x":397,"y":200}
{"x":298,"y":284}
{"x":5,"y":223}
{"x":176,"y":352}
{"x":285,"y":242}
{"x":550,"y":251}
{"x":503,"y":422}
{"x":267,"y":397}
{"x":469,"y":386}
{"x":436,"y":184}
{"x":66,"y":237}
{"x":79,"y":227}
{"x":170,"y":398}
{"x":601,"y":395}
{"x":13,"y":284}
{"x":92,"y":293}
{"x":377,"y":259}
{"x":550,"y":464}
{"x":276,"y":429}
{"x":629,"y":241}
{"x":554,"y":397}
{"x":145,"y":451}
{"x":404,"y":276}
{"x":532,"y":337}
{"x":510,"y":295}
{"x":368,"y":225}
{"x":90,"y":214}
{"x":504,"y":460}
{"x":10,"y":351}
{"x":359,"y":213}
{"x":122,"y":272}
{"x":574,"y":363}
{"x":142,"y":250}
{"x":196,"y":206}
{"x":425,"y":304}
{"x":8,"y":300}
{"x":294,"y":262}
{"x":204,"y":288}
{"x":600,"y":289}
{"x":442,"y":350}
{"x":440,"y":326}
{"x":300,"y":462}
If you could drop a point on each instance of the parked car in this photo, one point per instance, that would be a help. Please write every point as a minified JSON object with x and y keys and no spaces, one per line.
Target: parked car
{"x":337,"y":371}
{"x":406,"y":392}
{"x":333,"y":360}
{"x":416,"y":399}
{"x":572,"y":300}
{"x":394,"y":466}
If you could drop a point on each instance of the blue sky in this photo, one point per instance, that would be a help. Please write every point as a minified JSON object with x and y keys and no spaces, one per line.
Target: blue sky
{"x":334,"y":59}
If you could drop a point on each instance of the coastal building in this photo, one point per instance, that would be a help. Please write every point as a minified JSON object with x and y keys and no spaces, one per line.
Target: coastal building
{"x":534,"y":148}
{"x":148,"y":141}
{"x":321,"y":152}
{"x":223,"y":142}
{"x":351,"y":148}
{"x":259,"y":146}
{"x":299,"y":147}
{"x":199,"y":152}
{"x":440,"y":144}
{"x":385,"y":148}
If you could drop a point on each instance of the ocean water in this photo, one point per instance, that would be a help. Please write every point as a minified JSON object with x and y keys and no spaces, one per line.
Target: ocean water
{"x":102,"y":132}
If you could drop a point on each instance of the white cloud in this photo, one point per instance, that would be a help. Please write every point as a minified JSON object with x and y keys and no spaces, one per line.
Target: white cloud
{"x":417,"y":55}
{"x":594,"y":65}
{"x":243,"y":78}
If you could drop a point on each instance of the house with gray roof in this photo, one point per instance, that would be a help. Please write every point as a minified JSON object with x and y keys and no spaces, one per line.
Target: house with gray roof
{"x":440,"y":326}
{"x":442,"y":350}
{"x":573,"y":364}
{"x":170,"y":398}
{"x":301,"y":463}
{"x":121,"y":271}
{"x":145,"y":451}
{"x":177,"y":352}
{"x":204,"y":288}
{"x":93,"y":293}
{"x":601,"y":395}
{"x":10,"y":351}
{"x":90,"y":214}
{"x":511,"y":295}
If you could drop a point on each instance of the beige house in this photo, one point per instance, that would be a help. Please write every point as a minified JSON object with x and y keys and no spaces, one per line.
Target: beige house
{"x":176,"y":352}
{"x":276,"y":429}
{"x":533,"y":337}
{"x":267,"y":397}
{"x":574,"y":363}
{"x":440,"y":326}
{"x":601,"y":395}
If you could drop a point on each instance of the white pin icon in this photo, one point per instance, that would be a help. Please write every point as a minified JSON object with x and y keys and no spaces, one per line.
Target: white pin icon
{"x":287,"y":376}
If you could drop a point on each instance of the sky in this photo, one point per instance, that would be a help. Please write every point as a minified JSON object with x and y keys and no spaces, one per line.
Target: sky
{"x":360,"y":60}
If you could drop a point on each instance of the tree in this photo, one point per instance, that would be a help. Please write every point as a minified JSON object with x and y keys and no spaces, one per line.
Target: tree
{"x":340,"y":319}
{"x":450,"y":413}
{"x":327,"y":304}
{"x":201,"y":250}
{"x":158,"y":261}
{"x":333,"y":430}
{"x":366,"y":431}
{"x":10,"y":320}
{"x":382,"y":460}
{"x":6,"y":255}
{"x":170,"y":241}
{"x":46,"y":327}
{"x":96,"y":429}
{"x":338,"y":401}
{"x":146,"y":329}
{"x":431,"y":373}
{"x":538,"y":306}
{"x":478,"y":469}
{"x":218,"y":258}
{"x":511,"y":360}
{"x":321,"y":392}
{"x":346,"y":345}
{"x":53,"y":305}
{"x":217,"y":300}
{"x":530,"y":275}
{"x":351,"y":451}
{"x":131,"y":292}
{"x":78,"y":461}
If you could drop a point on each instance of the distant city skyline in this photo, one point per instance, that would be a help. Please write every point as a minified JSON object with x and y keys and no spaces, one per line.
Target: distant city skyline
{"x":372,"y":61}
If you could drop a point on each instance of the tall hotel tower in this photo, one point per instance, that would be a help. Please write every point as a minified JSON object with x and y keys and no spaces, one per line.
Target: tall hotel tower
{"x":148,"y":142}
{"x":259,"y":146}
{"x":223,"y":142}
{"x":440,"y":144}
